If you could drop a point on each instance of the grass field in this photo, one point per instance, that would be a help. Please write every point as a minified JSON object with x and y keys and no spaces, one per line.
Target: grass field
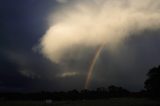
{"x":109,"y":102}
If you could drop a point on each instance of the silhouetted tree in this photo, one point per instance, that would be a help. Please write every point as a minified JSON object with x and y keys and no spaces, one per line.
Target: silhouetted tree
{"x":73,"y":95}
{"x":85,"y":94}
{"x":115,"y":91}
{"x":152,"y":84}
{"x":102,"y":93}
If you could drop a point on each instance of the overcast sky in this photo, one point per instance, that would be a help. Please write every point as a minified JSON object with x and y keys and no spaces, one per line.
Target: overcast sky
{"x":23,"y":66}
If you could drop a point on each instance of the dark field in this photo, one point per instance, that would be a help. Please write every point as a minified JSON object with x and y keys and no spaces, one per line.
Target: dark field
{"x":109,"y":102}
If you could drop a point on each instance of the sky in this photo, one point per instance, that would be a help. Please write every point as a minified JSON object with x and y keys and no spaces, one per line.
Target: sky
{"x":49,"y":44}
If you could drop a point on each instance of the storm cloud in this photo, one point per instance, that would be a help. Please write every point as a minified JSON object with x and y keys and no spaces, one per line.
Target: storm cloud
{"x":78,"y":27}
{"x":97,"y":22}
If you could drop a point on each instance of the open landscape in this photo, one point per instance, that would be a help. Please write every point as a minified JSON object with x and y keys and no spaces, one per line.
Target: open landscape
{"x":109,"y":102}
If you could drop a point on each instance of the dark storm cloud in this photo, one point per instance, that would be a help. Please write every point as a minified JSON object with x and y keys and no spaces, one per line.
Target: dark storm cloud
{"x":20,"y":71}
{"x":23,"y":21}
{"x":21,"y":25}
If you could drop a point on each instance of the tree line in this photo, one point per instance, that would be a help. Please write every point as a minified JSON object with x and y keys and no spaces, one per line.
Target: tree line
{"x":99,"y":93}
{"x":151,"y":89}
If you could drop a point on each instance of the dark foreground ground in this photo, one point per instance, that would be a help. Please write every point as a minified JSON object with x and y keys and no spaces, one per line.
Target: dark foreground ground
{"x":109,"y":102}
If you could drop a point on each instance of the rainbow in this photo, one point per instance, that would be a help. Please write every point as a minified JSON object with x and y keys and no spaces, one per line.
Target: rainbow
{"x":91,"y":68}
